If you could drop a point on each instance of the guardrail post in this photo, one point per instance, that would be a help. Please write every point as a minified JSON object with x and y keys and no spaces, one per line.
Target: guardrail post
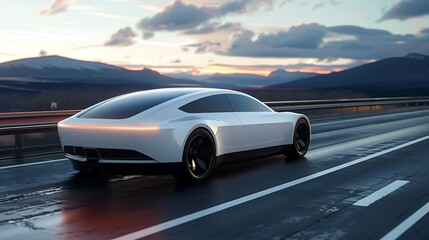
{"x":18,"y":142}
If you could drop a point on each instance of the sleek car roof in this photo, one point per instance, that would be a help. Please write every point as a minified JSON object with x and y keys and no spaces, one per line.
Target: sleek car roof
{"x":185,"y":90}
{"x":130,"y":104}
{"x":191,"y":89}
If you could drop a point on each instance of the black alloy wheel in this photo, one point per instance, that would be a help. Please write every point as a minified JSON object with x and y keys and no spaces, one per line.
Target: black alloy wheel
{"x":199,"y":155}
{"x":301,"y":139}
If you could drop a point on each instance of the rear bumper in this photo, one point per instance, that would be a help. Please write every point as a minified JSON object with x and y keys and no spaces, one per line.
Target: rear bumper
{"x":163,"y":145}
{"x":125,"y":168}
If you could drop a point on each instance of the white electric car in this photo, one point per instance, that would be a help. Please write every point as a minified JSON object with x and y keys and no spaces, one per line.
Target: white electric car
{"x":185,"y":132}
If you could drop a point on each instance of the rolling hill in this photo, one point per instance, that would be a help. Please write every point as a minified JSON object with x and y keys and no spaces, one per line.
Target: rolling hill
{"x":409,"y":73}
{"x":240,"y":80}
{"x":58,"y":69}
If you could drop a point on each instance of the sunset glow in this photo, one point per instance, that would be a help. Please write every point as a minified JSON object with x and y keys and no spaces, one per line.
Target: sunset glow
{"x":208,"y":70}
{"x":256,"y":37}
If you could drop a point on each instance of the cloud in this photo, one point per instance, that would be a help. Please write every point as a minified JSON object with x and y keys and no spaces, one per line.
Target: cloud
{"x":213,"y":27}
{"x":335,"y":2}
{"x":43,"y":53}
{"x":148,"y":35}
{"x":359,"y":31}
{"x":423,"y":31}
{"x":206,"y":47}
{"x":184,"y":17}
{"x":56,"y":6}
{"x":319,"y":5}
{"x":175,"y":61}
{"x":370,"y":38}
{"x":322,"y":42}
{"x":324,"y":4}
{"x":123,"y":37}
{"x":243,"y":6}
{"x":177,"y":16}
{"x":302,"y":36}
{"x":406,"y":9}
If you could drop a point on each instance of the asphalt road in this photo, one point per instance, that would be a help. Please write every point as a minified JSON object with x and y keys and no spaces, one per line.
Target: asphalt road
{"x":364,"y":178}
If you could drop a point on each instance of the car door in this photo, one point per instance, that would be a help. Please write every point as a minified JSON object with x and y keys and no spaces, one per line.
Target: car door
{"x":218,"y":114}
{"x":262,"y":127}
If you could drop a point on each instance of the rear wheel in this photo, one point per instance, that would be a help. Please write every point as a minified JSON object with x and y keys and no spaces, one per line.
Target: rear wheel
{"x":301,"y":139}
{"x":198,"y":156}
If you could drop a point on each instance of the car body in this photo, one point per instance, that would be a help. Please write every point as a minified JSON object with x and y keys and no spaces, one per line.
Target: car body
{"x":172,"y":130}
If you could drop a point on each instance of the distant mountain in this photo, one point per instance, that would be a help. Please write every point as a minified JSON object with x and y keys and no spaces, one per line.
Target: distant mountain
{"x":289,"y":76}
{"x":57,"y":69}
{"x":65,"y":70}
{"x":233,"y":80}
{"x":51,"y":62}
{"x":392,"y":74}
{"x":242,"y":80}
{"x":417,"y":56}
{"x":236,"y":80}
{"x":398,"y":74}
{"x":185,"y":75}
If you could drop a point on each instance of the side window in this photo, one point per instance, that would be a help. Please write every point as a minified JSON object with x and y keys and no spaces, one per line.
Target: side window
{"x":210,"y":104}
{"x":242,"y":103}
{"x":189,"y":108}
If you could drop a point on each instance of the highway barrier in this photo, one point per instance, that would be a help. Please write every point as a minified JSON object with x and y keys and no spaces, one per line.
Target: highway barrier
{"x":36,"y":132}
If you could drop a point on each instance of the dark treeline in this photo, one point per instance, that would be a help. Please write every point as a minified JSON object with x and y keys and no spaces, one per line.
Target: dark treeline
{"x":38,"y":97}
{"x":67,"y":96}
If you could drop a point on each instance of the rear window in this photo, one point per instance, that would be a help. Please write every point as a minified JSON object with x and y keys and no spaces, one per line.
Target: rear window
{"x":131,"y":104}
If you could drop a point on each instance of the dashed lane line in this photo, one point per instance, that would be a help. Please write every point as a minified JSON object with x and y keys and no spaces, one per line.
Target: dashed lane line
{"x":407,"y":224}
{"x":33,"y":163}
{"x":379,"y":194}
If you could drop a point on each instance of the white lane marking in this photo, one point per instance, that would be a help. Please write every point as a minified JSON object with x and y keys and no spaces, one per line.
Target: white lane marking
{"x":407,"y":224}
{"x":366,"y":118}
{"x":34,"y":163}
{"x":193,"y":216}
{"x":377,"y":195}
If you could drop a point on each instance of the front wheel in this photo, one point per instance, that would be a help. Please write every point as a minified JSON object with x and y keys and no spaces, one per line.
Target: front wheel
{"x":198,"y":156}
{"x":301,"y":139}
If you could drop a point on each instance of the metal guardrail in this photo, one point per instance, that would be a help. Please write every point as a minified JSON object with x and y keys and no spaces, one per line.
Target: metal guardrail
{"x":19,"y":132}
{"x":31,"y":118}
{"x":342,"y":103}
{"x":18,"y":129}
{"x":18,"y":126}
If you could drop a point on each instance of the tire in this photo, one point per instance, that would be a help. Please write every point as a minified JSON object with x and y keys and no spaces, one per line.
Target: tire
{"x":301,"y":139}
{"x":199,"y":157}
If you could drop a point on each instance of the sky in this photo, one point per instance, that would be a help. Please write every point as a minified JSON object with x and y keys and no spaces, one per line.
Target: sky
{"x":216,"y":36}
